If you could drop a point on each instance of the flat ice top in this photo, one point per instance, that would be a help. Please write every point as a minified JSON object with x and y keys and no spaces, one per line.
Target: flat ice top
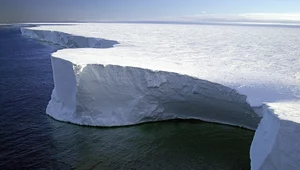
{"x":260,"y":62}
{"x":286,"y":110}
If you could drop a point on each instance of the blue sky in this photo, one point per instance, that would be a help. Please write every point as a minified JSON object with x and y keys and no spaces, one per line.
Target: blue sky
{"x":96,"y":10}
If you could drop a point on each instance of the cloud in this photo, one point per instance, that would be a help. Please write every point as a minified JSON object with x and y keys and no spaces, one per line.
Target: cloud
{"x":272,"y":17}
{"x":250,"y":17}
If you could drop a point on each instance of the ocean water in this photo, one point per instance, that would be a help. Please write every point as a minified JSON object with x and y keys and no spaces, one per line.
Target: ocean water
{"x":29,"y":139}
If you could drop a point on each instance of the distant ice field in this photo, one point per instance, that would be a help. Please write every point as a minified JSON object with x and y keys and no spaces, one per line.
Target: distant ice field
{"x":260,"y":62}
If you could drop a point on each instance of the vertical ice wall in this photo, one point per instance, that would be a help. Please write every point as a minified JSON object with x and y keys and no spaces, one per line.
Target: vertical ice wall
{"x":276,"y":142}
{"x":112,"y":95}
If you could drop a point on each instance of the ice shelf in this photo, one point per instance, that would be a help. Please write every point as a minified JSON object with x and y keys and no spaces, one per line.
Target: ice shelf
{"x":150,"y":72}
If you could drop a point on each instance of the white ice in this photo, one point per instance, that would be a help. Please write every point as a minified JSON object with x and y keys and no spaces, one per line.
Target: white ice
{"x":276,"y":141}
{"x":151,"y":72}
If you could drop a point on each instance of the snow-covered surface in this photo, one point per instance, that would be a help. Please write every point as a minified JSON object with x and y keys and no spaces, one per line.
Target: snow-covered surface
{"x":154,"y":72}
{"x":248,"y":59}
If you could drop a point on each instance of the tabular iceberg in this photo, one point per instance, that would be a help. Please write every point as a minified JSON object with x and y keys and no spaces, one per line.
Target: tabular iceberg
{"x":114,"y":95}
{"x":155,"y":72}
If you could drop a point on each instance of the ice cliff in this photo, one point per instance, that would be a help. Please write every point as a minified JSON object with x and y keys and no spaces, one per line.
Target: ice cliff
{"x":69,"y":40}
{"x":276,"y":141}
{"x":152,"y":75}
{"x":114,"y":95}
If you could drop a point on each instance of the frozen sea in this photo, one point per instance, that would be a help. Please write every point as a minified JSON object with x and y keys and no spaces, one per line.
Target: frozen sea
{"x":29,"y":139}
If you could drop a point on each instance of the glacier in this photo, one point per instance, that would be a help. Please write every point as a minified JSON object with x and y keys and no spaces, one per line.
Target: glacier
{"x":123,"y":74}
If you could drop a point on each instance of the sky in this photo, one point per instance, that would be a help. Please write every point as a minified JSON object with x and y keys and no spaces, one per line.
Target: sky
{"x":125,"y":10}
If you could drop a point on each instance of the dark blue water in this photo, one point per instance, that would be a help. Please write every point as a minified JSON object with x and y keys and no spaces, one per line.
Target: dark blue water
{"x":29,"y":139}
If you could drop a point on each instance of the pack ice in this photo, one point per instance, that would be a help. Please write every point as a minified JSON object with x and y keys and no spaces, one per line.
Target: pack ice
{"x":123,"y":74}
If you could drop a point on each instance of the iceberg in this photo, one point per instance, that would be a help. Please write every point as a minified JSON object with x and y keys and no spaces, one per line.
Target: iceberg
{"x":112,"y":92}
{"x":124,"y":74}
{"x":275,"y":144}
